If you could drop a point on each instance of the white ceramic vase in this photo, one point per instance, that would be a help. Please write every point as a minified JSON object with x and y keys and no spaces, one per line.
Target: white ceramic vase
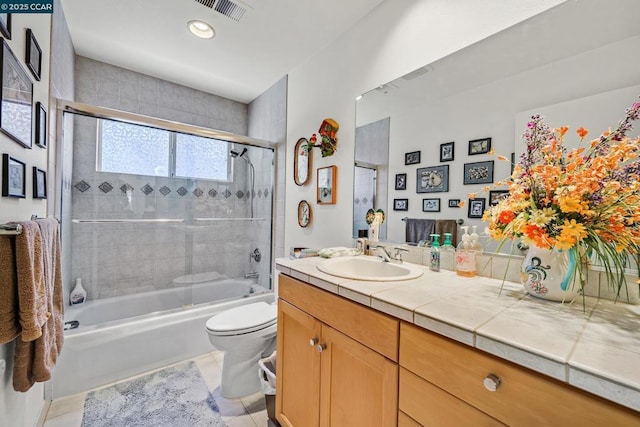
{"x":548,"y":274}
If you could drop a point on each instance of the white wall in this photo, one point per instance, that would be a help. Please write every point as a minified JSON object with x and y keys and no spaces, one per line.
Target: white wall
{"x":397,"y":37}
{"x":23,"y":409}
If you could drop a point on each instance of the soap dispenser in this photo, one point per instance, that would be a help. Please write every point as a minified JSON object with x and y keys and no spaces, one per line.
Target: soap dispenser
{"x":434,"y":264}
{"x":465,"y":255}
{"x":78,"y":294}
{"x":475,"y":241}
{"x":447,"y":253}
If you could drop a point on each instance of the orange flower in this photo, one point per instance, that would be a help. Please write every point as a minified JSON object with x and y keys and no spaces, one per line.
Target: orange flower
{"x":506,"y":217}
{"x":582,"y":132}
{"x":561,"y":130}
{"x":472,"y":196}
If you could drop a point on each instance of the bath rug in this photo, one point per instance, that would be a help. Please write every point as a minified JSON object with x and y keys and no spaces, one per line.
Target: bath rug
{"x":173,"y":397}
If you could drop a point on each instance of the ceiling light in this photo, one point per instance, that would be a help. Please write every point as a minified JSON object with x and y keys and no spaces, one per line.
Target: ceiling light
{"x":201,"y":29}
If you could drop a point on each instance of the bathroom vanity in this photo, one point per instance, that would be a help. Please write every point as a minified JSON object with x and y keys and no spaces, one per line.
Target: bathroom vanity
{"x":445,"y":350}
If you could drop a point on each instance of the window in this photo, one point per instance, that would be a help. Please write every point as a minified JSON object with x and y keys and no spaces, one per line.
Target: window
{"x":141,"y":150}
{"x":199,"y":157}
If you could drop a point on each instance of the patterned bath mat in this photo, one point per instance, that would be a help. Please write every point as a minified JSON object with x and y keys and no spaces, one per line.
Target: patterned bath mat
{"x":173,"y":397}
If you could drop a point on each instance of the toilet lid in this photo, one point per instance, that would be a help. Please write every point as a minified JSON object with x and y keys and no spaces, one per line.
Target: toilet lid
{"x":243,"y":319}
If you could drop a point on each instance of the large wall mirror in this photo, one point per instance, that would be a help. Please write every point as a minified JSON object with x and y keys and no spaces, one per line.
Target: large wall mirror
{"x":559,"y":64}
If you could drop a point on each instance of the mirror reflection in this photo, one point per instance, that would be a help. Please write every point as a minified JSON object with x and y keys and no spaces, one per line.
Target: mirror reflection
{"x":553,"y":64}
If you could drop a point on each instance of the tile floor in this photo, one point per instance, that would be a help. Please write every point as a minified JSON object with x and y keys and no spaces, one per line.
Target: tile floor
{"x":249,"y":411}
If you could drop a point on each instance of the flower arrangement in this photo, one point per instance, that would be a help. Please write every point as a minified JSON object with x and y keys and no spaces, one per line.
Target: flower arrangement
{"x":585,"y":201}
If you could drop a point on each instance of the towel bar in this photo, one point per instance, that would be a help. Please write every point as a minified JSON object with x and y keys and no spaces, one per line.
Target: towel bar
{"x":459,"y":221}
{"x":10,"y":229}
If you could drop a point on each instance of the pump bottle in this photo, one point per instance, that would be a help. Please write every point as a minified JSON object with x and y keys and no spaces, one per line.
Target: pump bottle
{"x":434,"y":265}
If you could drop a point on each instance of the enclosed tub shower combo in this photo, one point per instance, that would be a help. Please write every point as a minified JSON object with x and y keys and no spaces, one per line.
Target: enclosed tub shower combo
{"x":169,"y":226}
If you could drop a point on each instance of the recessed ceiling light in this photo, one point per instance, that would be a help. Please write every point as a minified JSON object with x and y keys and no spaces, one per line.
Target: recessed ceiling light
{"x":201,"y":29}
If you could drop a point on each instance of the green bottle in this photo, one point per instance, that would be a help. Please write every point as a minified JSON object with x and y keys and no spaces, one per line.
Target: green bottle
{"x":434,"y":265}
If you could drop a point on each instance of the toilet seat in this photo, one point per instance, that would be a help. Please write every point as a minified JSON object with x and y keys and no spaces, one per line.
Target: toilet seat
{"x":243,"y":319}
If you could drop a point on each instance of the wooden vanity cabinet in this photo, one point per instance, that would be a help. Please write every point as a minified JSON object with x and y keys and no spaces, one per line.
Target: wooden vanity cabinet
{"x":337,"y":360}
{"x":442,"y":382}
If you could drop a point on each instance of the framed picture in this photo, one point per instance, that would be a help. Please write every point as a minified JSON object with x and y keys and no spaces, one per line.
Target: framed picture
{"x":433,"y":179}
{"x":400,"y":204}
{"x":326,"y":190}
{"x":496,"y":195}
{"x":430,"y":205}
{"x":401,"y":181}
{"x":446,"y":152}
{"x":412,"y":158}
{"x":478,"y":172}
{"x":16,"y":98}
{"x":39,"y":183}
{"x":5,"y":25}
{"x":454,"y":203}
{"x":476,"y":207}
{"x":33,"y":55}
{"x":304,"y":214}
{"x":479,"y":146}
{"x":13,"y":177}
{"x":41,"y":125}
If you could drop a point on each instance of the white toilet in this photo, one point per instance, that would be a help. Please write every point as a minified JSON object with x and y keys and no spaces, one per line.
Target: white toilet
{"x":245,"y":334}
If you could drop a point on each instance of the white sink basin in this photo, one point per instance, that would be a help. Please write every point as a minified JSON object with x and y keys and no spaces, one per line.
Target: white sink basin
{"x":369,"y":268}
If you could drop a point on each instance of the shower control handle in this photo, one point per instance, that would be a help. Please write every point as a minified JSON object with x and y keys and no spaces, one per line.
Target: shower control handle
{"x":313,"y":342}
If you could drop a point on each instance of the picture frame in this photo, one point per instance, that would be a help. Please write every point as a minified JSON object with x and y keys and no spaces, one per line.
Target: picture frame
{"x":14,"y":180}
{"x":5,"y":25}
{"x":39,"y":183}
{"x":454,"y":203}
{"x":432,"y":179}
{"x":401,"y":181}
{"x":302,"y":162}
{"x":304,"y":214}
{"x":430,"y":205}
{"x":400,"y":204}
{"x":479,"y":146}
{"x":33,"y":55}
{"x":16,"y":98}
{"x":476,"y":207}
{"x":496,"y":195}
{"x":326,"y":185}
{"x":41,"y":125}
{"x":412,"y":158}
{"x":478,"y":173}
{"x":447,"y":152}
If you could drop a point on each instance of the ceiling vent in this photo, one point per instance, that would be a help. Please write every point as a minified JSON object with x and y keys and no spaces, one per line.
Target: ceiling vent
{"x":230,"y":9}
{"x":208,"y":3}
{"x":225,"y":7}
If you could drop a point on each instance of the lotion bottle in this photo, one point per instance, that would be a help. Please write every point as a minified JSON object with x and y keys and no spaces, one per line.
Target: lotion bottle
{"x":447,"y":253}
{"x":465,"y":256}
{"x":78,"y":294}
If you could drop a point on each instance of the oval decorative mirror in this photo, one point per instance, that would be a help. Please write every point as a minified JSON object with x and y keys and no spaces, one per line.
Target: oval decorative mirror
{"x":304,"y":214}
{"x":301,"y":162}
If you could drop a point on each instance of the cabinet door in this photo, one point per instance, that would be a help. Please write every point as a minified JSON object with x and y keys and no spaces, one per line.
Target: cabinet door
{"x":359,"y":387}
{"x":297,"y":368}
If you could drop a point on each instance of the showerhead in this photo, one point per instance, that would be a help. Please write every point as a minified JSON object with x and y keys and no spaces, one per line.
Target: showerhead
{"x":235,"y":154}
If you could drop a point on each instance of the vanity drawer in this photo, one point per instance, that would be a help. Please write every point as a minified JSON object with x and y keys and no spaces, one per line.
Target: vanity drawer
{"x":431,"y":406}
{"x":366,"y":325}
{"x":523,"y":396}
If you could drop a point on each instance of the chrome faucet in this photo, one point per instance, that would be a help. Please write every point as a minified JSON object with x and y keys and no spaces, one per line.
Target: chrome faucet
{"x":383,"y":253}
{"x":398,"y":255}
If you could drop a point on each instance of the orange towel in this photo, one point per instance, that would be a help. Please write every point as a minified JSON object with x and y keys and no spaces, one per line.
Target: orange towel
{"x":9,"y":324}
{"x":35,"y":361}
{"x":32,"y":292}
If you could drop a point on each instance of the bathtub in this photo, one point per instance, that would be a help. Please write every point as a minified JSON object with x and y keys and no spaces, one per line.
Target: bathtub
{"x":124,"y":336}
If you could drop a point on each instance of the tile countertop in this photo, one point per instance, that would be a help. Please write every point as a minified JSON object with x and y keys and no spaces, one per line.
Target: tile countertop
{"x":595,"y":347}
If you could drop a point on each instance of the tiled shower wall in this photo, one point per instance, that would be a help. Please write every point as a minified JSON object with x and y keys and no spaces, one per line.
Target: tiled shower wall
{"x":119,"y":259}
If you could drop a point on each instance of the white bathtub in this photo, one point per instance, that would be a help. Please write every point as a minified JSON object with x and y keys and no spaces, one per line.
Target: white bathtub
{"x":124,"y":336}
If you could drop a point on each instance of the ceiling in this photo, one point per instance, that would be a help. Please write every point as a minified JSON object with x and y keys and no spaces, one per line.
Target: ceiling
{"x":243,"y":60}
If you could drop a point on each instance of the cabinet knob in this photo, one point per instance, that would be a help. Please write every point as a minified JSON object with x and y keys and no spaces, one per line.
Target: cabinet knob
{"x":491,"y":382}
{"x":321,"y":348}
{"x":313,"y":342}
